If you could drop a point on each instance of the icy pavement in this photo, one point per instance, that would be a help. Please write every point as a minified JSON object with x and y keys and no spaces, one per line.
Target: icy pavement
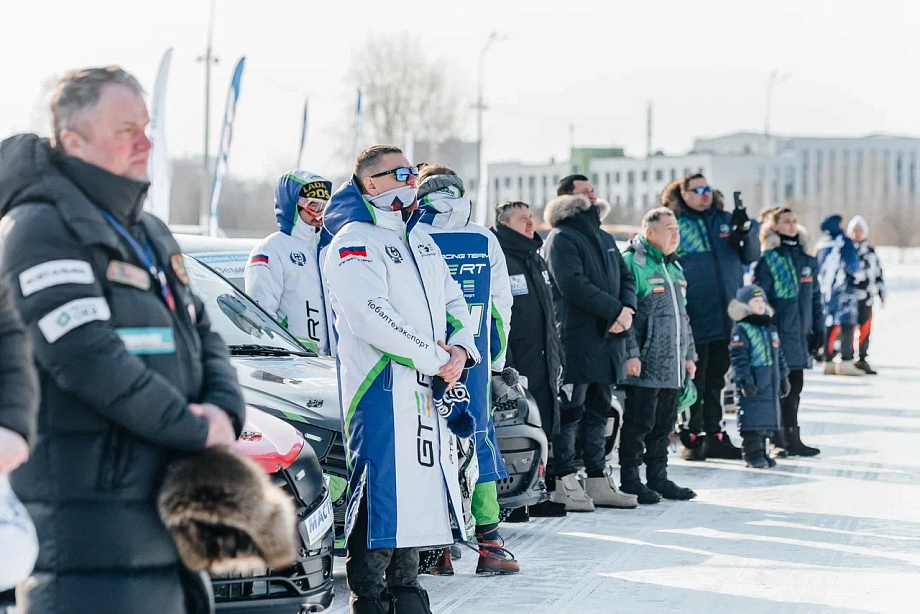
{"x":836,"y":533}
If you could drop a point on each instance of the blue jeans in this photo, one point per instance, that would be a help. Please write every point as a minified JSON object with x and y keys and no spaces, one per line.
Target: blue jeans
{"x":583,"y":417}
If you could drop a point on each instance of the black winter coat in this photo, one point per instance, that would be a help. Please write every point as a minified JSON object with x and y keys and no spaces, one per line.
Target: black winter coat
{"x":788,"y":275}
{"x":117,"y":369}
{"x":18,"y":379}
{"x":593,"y":285}
{"x":534,"y":347}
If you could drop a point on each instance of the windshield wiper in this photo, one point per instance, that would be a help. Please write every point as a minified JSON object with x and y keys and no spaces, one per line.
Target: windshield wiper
{"x":265,"y":350}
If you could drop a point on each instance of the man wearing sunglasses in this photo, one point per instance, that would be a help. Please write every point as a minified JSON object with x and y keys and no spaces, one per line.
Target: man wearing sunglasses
{"x":715,"y":246}
{"x":283,"y":273}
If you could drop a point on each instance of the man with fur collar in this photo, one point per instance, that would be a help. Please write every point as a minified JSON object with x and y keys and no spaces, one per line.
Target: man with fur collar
{"x":715,"y":245}
{"x":787,"y":273}
{"x":595,"y":303}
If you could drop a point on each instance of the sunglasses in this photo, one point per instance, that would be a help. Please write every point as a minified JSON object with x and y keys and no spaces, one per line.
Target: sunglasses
{"x":402,"y":173}
{"x":702,"y":190}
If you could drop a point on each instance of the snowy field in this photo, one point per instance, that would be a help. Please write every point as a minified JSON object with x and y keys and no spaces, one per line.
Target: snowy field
{"x":835,"y":533}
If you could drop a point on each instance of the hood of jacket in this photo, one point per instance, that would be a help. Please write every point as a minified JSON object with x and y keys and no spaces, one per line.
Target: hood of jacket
{"x":770,"y":239}
{"x":564,"y":207}
{"x":511,"y":240}
{"x":672,"y":199}
{"x":831,"y":225}
{"x":738,"y":311}
{"x":858,"y":221}
{"x":31,"y":171}
{"x":290,"y":189}
{"x":442,"y":202}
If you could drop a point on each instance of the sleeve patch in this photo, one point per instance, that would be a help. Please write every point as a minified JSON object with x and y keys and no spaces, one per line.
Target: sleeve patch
{"x":55,"y":273}
{"x":72,"y":315}
{"x":259,"y":259}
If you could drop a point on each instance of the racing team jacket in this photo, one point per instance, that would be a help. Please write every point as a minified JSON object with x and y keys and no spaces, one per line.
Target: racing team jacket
{"x":392,"y":297}
{"x":476,"y":261}
{"x":282,"y":275}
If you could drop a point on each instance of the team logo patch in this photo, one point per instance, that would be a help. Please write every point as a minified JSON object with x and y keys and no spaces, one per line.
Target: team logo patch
{"x":519,"y":285}
{"x":426,"y":248}
{"x":469,"y":286}
{"x":178,"y":266}
{"x":259,"y":259}
{"x":147,"y":341}
{"x":658,"y":290}
{"x":546,"y":278}
{"x":127,"y":274}
{"x":298,"y":258}
{"x":54,"y":273}
{"x":73,"y":315}
{"x":354,"y":250}
{"x":394,"y":254}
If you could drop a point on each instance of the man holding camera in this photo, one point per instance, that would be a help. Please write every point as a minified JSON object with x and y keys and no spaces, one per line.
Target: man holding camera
{"x":715,"y":246}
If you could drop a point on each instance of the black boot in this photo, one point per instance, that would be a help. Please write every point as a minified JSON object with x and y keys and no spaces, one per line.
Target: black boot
{"x":718,"y":445}
{"x":632,"y":484}
{"x":411,"y":600}
{"x":778,"y":444}
{"x":692,"y":446}
{"x":862,"y":365}
{"x":796,"y":447}
{"x":754,"y":454}
{"x":547,"y":509}
{"x":519,"y":514}
{"x":364,"y":605}
{"x":656,"y":475}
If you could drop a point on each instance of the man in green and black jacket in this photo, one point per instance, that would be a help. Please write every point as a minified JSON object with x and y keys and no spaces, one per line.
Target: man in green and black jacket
{"x":660,"y":359}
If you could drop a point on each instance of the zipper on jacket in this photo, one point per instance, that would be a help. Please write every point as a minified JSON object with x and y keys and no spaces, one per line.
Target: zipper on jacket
{"x":680,"y":372}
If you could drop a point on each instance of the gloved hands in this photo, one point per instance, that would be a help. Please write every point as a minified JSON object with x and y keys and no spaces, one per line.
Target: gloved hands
{"x":740,"y":223}
{"x":505,"y":386}
{"x":785,"y":388}
{"x":749,"y":390}
{"x":454,"y":405}
{"x":815,"y":345}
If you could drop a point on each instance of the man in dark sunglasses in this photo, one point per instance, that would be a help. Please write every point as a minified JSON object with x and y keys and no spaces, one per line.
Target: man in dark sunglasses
{"x":715,"y":246}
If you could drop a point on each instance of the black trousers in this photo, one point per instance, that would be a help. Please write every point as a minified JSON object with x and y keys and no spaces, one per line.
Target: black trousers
{"x":790,"y":405}
{"x":754,"y":443}
{"x":843,"y":333}
{"x":371,"y":572}
{"x":583,"y":417}
{"x":711,"y":367}
{"x":865,"y":329}
{"x":648,"y":420}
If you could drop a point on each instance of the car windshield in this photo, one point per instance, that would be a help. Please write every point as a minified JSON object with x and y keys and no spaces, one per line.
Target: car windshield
{"x":234,"y":315}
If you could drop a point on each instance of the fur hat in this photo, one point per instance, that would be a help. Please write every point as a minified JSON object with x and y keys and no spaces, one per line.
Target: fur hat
{"x":225,"y":515}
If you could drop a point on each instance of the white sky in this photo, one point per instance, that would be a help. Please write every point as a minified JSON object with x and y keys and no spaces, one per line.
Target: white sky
{"x":593,"y":63}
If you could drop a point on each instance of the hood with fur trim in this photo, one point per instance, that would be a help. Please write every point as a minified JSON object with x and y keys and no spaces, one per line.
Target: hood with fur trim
{"x":672,"y":199}
{"x":769,"y":239}
{"x":737,"y":310}
{"x":225,"y":515}
{"x":564,"y":207}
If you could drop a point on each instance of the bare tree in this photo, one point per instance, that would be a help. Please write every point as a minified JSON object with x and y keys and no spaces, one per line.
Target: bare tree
{"x":405,"y":91}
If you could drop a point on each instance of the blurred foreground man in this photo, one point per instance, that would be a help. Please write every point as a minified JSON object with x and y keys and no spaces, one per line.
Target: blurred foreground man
{"x":131,"y":374}
{"x":395,"y":310}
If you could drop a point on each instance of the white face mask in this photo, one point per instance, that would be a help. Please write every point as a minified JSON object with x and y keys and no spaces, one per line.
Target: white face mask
{"x":396,"y":199}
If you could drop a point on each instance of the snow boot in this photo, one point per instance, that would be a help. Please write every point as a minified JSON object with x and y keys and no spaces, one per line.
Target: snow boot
{"x":844,"y":367}
{"x":631,"y":483}
{"x":363,"y":605}
{"x":547,"y":509}
{"x":411,"y":600}
{"x":770,"y":462}
{"x":518,"y":514}
{"x":719,"y":445}
{"x":494,"y":559}
{"x":570,"y":493}
{"x":692,"y":446}
{"x":796,"y":447}
{"x":830,"y":368}
{"x":604,"y":492}
{"x":755,"y":455}
{"x":444,"y":565}
{"x":656,"y":474}
{"x":863,"y":366}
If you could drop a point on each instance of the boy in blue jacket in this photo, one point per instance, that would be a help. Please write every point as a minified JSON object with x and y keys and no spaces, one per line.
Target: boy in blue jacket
{"x":761,"y":373}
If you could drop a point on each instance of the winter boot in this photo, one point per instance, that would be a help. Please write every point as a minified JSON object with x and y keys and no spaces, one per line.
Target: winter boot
{"x":770,"y":462}
{"x":519,"y":514}
{"x":796,"y":447}
{"x":494,"y":559}
{"x":755,"y":455}
{"x":692,"y":446}
{"x":547,"y":509}
{"x":830,"y":368}
{"x":718,"y":445}
{"x":844,"y":367}
{"x":363,"y":605}
{"x":863,"y":366}
{"x":411,"y":600}
{"x":632,"y":484}
{"x":604,"y":492}
{"x":444,"y":566}
{"x":656,"y":474}
{"x":570,"y":493}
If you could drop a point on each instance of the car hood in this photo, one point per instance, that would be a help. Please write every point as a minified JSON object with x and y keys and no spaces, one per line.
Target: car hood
{"x":293,"y":388}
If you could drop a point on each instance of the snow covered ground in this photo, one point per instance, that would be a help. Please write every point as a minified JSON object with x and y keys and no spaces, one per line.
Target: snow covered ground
{"x":836,"y":533}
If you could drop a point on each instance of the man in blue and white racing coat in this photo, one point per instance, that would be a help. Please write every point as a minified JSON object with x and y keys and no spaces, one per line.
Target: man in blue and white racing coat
{"x":477,"y":263}
{"x":282,"y":273}
{"x":395,"y":310}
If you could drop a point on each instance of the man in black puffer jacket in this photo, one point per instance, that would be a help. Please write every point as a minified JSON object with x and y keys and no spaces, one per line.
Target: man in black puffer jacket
{"x":131,"y":373}
{"x":594,"y":307}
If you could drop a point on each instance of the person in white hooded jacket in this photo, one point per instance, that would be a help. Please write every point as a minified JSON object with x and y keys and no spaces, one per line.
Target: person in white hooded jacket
{"x":870,"y":287}
{"x":283,"y":273}
{"x":395,"y":309}
{"x":477,"y":262}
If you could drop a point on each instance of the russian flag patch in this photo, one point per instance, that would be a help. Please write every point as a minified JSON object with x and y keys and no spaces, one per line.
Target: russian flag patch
{"x":354,"y":250}
{"x":259,"y":259}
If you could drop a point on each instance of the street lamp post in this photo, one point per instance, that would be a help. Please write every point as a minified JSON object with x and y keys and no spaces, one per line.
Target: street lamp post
{"x":483,"y":192}
{"x":774,"y":80}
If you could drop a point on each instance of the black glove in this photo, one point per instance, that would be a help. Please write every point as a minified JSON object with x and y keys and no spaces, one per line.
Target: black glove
{"x":454,"y":406}
{"x":816,"y":345}
{"x":505,"y":386}
{"x":785,"y":388}
{"x":740,"y":222}
{"x":749,"y":390}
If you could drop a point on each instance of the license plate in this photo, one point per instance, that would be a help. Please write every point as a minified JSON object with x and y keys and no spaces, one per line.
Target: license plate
{"x":319,"y":522}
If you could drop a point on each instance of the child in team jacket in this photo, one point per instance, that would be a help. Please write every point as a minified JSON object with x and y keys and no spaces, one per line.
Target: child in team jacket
{"x":761,"y":374}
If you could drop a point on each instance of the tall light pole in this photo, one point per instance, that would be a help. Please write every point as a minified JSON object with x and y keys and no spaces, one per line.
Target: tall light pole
{"x":775,"y":79}
{"x":483,"y":192}
{"x":209,"y":59}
